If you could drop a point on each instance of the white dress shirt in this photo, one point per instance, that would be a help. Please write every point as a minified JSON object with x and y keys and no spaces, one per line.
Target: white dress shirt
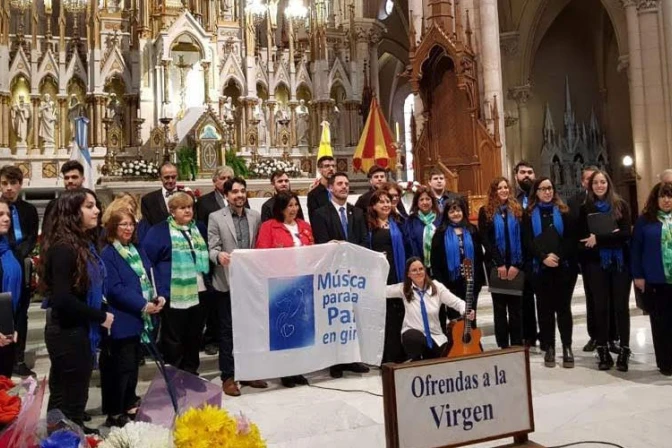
{"x":413,"y":315}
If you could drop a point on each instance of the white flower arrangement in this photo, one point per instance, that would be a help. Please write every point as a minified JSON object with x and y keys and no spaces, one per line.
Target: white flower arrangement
{"x":139,"y":434}
{"x":408,"y":187}
{"x":265,"y":167}
{"x":137,"y":168}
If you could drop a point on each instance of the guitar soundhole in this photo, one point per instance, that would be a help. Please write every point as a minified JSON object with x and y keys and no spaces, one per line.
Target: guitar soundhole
{"x":466,"y":338}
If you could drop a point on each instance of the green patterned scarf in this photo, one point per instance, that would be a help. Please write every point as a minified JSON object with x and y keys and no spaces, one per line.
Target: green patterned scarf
{"x":132,"y":257}
{"x":187,"y":261}
{"x":666,"y":243}
{"x":428,"y":220}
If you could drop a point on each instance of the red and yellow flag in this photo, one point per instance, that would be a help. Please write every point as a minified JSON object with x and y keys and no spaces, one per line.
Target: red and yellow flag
{"x":376,"y":145}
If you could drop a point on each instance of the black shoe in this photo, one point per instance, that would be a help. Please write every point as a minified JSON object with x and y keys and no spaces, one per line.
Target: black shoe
{"x":605,"y":361}
{"x":142,"y":362}
{"x":590,"y":346}
{"x":119,"y":421}
{"x":211,"y":349}
{"x":622,"y":360}
{"x":356,"y":367}
{"x":567,"y":357}
{"x":22,"y":370}
{"x":666,"y":372}
{"x":549,"y":357}
{"x":288,"y":381}
{"x":336,"y":371}
{"x":614,"y":347}
{"x":300,"y":380}
{"x":89,"y":431}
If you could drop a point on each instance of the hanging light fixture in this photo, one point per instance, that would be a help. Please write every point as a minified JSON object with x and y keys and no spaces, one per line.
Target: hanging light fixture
{"x":295,"y":10}
{"x":74,"y":6}
{"x":21,"y":5}
{"x":257,"y":9}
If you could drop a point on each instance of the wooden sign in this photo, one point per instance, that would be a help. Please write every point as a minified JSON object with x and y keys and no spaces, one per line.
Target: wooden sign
{"x":452,"y":402}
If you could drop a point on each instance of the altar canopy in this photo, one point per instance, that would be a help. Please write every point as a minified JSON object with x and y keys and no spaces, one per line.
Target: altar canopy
{"x":376,"y":146}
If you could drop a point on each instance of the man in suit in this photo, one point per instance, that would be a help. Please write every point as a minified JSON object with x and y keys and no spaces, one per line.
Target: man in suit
{"x":206,"y":205}
{"x":233,"y":227}
{"x":377,"y":179}
{"x":437,"y":184}
{"x":22,"y":238}
{"x":525,"y":177}
{"x":340,"y":221}
{"x":154,"y":205}
{"x":73,"y":178}
{"x":319,"y":195}
{"x":280,"y":182}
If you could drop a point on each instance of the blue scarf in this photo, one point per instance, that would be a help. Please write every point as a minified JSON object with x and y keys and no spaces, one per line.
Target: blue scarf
{"x":452,"y":243}
{"x":513,"y":227}
{"x":536,"y":224}
{"x":94,"y":295}
{"x":609,"y":256}
{"x":398,"y":250}
{"x":11,"y":273}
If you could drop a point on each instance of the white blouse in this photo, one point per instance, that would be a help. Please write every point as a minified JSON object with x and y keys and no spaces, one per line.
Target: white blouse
{"x":413,"y":315}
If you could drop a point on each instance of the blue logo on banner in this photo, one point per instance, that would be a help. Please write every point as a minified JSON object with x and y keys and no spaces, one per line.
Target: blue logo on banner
{"x":291,"y":312}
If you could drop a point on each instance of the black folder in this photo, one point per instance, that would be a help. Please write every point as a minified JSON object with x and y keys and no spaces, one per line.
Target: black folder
{"x":601,"y":223}
{"x":548,"y":241}
{"x":508,"y":287}
{"x":6,"y":314}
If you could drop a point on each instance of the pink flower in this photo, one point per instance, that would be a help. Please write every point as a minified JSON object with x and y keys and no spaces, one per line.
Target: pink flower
{"x":243,"y":424}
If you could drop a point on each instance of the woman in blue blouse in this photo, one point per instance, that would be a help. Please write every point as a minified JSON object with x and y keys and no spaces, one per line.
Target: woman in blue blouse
{"x":132,"y":299}
{"x":651,"y":259}
{"x":11,"y":277}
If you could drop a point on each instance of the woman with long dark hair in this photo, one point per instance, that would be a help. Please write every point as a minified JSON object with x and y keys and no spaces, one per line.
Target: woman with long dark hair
{"x":549,"y":241}
{"x":422,"y":224}
{"x":386,"y":236}
{"x":652,"y":269}
{"x":499,"y":223}
{"x":607,"y":270}
{"x":72,"y":278}
{"x":455,"y":241}
{"x":422,"y":335}
{"x":11,"y":276}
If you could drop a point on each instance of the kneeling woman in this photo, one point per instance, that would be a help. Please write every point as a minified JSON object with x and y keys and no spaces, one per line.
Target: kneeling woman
{"x":421,"y":333}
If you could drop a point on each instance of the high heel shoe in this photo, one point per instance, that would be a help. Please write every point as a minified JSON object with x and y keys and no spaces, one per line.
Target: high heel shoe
{"x":549,"y":357}
{"x":567,"y":357}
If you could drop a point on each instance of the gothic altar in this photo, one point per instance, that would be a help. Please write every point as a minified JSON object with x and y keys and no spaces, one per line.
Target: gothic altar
{"x":256,"y":77}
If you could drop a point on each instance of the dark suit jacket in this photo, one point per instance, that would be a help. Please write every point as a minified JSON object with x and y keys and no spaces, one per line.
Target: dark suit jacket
{"x":206,"y":204}
{"x":326,"y":226}
{"x":153,"y":207}
{"x":317,"y":197}
{"x":575,"y":203}
{"x":30,"y":221}
{"x":267,"y":210}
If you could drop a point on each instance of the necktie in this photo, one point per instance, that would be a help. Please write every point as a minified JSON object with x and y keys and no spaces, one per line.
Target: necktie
{"x":425,"y":318}
{"x":169,"y":193}
{"x":525,"y":201}
{"x":440,"y":202}
{"x":16,"y":224}
{"x":344,"y":222}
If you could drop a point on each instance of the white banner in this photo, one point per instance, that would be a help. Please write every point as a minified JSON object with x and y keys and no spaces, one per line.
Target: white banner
{"x":298,"y":310}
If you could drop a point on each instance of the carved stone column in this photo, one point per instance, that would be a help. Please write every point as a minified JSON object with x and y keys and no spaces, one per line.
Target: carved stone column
{"x":292,"y":123}
{"x":4,"y":136}
{"x":375,"y":37}
{"x":35,"y":123}
{"x":63,"y":123}
{"x":271,"y":124}
{"x":521,"y":95}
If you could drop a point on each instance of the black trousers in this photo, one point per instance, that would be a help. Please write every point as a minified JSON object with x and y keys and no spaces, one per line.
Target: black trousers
{"x":119,"y":365}
{"x":180,"y":336}
{"x":71,"y":365}
{"x":393,"y":350}
{"x":415,"y":345}
{"x":659,"y":303}
{"x":507,"y":311}
{"x":553,"y":289}
{"x":223,"y":302}
{"x":610,"y":289}
{"x":7,"y":355}
{"x":529,"y":312}
{"x":22,"y":325}
{"x":590,"y":312}
{"x":212,"y":333}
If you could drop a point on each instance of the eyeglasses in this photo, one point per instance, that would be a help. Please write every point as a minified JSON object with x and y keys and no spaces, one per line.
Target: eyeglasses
{"x":545,"y":189}
{"x":416,"y":271}
{"x":126,"y":225}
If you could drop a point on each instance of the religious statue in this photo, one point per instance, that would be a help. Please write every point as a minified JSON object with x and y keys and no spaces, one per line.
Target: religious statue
{"x":335,"y":124}
{"x":114,"y":110}
{"x":20,"y":118}
{"x":228,"y":109}
{"x":260,"y":115}
{"x":557,"y":173}
{"x":75,"y":110}
{"x":227,"y":9}
{"x":48,"y":119}
{"x":302,"y":123}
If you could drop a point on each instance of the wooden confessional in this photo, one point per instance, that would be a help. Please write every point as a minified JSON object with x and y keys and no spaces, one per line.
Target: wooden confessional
{"x":455,"y":137}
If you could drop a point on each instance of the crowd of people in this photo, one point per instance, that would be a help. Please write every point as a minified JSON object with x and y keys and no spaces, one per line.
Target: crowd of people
{"x":116,"y":280}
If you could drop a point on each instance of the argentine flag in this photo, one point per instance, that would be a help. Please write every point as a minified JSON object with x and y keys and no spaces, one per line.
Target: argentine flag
{"x":80,"y":151}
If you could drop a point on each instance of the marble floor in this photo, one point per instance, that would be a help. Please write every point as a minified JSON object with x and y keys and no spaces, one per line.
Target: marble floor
{"x":632,"y":409}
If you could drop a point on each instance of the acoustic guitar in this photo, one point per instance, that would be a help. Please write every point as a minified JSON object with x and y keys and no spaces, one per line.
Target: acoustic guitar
{"x":466,"y":340}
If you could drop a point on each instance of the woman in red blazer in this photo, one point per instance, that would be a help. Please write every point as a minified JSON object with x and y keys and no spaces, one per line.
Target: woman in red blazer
{"x":286,"y":230}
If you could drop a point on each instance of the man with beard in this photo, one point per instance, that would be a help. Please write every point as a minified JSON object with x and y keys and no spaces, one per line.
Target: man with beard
{"x":524,"y":173}
{"x":73,"y":178}
{"x":319,"y":195}
{"x":280,"y":182}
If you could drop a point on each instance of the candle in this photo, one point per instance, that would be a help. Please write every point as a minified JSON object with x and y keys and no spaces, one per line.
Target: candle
{"x":397,"y":130}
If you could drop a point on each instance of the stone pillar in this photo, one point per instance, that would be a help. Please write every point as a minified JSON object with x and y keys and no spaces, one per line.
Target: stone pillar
{"x":374,"y":40}
{"x":667,"y":25}
{"x":492,"y":68}
{"x":63,"y":123}
{"x":521,"y":95}
{"x":4,"y":136}
{"x":35,"y":122}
